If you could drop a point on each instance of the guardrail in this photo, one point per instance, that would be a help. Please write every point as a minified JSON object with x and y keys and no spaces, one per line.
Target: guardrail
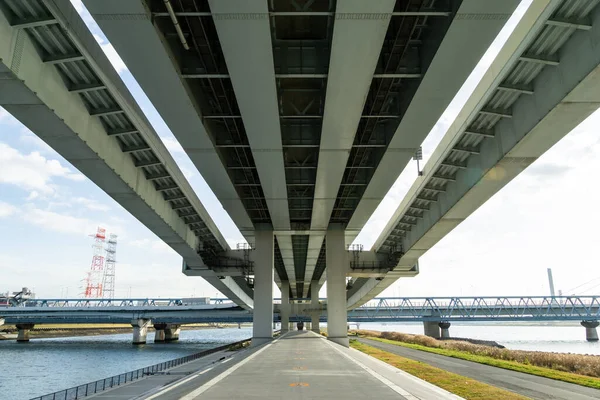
{"x":81,"y":391}
{"x":84,"y":302}
{"x":525,"y":308}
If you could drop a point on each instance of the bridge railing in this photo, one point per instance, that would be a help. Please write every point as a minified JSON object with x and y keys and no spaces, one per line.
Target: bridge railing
{"x":519,"y":307}
{"x":146,"y":302}
{"x":81,"y":391}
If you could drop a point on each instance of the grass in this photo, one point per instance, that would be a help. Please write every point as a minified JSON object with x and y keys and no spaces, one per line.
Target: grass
{"x":454,"y":383}
{"x":515,"y":360}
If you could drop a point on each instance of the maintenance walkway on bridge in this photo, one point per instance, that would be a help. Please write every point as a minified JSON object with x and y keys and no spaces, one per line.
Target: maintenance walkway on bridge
{"x":298,"y":365}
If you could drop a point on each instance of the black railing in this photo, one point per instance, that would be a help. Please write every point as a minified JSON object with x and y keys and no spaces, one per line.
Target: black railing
{"x":87,"y":389}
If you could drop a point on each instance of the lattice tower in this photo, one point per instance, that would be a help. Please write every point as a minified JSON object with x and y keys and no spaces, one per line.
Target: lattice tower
{"x":108,"y":279}
{"x":93,"y":288}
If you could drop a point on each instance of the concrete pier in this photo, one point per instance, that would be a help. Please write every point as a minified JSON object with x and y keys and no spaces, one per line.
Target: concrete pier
{"x":337,"y":267}
{"x":140,"y":330}
{"x":445,"y":328}
{"x":314,"y":303}
{"x":591,"y":334}
{"x":23,"y":333}
{"x":262,"y":318}
{"x":285,"y":306}
{"x":172,"y":332}
{"x":431,"y":329}
{"x":159,"y":333}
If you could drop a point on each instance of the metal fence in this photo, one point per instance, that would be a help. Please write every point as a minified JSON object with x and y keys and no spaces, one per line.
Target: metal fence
{"x":87,"y":389}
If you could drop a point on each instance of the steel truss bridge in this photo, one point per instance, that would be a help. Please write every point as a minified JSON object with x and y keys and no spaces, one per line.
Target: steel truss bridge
{"x":384,"y":309}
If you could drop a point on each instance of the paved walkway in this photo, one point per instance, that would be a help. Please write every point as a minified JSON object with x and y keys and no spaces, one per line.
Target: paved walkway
{"x":535,"y":387}
{"x":303,"y":365}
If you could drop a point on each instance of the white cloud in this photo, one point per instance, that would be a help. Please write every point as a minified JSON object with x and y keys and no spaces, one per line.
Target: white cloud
{"x":78,"y":4}
{"x":172,"y":145}
{"x":108,"y":49}
{"x":155,"y":245}
{"x":91,"y":204}
{"x":4,"y":115}
{"x":32,"y":171}
{"x":65,"y":223}
{"x":33,"y":195}
{"x":6,"y":210}
{"x":58,"y":222}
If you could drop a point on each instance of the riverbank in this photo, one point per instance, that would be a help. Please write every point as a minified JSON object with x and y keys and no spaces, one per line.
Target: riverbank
{"x":472,"y":380}
{"x":573,"y":368}
{"x":8,"y":332}
{"x":459,"y":385}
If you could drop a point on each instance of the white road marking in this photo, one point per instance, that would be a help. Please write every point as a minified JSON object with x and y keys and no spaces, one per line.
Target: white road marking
{"x":222,"y":376}
{"x":385,"y":381}
{"x":189,"y":378}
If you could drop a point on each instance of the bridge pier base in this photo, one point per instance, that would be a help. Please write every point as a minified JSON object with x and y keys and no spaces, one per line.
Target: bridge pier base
{"x":445,"y":328}
{"x":314,"y":302}
{"x":140,"y":330}
{"x":591,"y":334}
{"x":284,"y":311}
{"x":172,"y":332}
{"x":23,"y":332}
{"x":159,"y":333}
{"x":431,"y":329}
{"x":337,"y":267}
{"x":262,"y":318}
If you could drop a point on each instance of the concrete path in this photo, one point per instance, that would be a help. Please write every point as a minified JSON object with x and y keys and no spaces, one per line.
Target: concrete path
{"x":304,"y":365}
{"x":532,"y":386}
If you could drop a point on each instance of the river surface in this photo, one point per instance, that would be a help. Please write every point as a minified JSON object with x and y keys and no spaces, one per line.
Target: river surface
{"x":43,"y":366}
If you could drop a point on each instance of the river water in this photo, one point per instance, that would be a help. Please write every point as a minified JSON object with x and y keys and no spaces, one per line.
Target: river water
{"x":43,"y":366}
{"x":46,"y":365}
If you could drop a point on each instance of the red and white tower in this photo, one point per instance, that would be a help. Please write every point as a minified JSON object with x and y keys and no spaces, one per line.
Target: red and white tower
{"x":94,"y":279}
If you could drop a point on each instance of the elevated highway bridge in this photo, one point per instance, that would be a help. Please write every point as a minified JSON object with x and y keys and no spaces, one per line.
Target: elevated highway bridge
{"x":434,"y":312}
{"x":300,"y":115}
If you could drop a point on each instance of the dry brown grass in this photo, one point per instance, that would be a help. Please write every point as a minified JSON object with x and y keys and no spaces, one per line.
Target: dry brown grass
{"x":576,"y":363}
{"x":463,"y":386}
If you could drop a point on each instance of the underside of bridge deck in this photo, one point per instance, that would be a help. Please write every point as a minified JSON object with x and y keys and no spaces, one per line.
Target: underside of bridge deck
{"x":300,"y":115}
{"x":288,"y":108}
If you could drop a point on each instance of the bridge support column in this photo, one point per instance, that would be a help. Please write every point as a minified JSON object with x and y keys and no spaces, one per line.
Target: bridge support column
{"x":445,"y":328}
{"x":314,"y":302}
{"x":172,"y":332}
{"x":284,"y":310}
{"x":337,"y":266}
{"x":159,"y":333}
{"x":262,"y":318}
{"x":431,"y":329}
{"x":591,"y":334}
{"x":140,"y":330}
{"x":23,"y":332}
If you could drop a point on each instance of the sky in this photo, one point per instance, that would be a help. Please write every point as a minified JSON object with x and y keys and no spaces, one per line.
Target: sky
{"x":48,"y":210}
